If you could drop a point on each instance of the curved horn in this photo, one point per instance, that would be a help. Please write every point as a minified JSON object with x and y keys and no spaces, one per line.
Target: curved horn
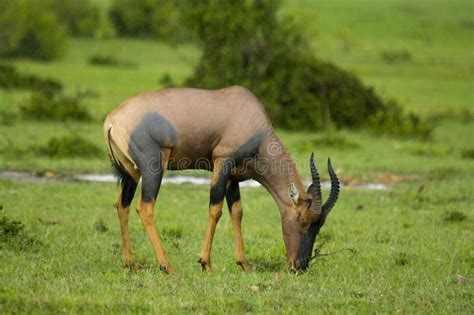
{"x":335,"y":186}
{"x":315,"y":187}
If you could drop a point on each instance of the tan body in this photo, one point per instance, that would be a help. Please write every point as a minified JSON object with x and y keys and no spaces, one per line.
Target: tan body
{"x":210,"y":123}
{"x":195,"y":128}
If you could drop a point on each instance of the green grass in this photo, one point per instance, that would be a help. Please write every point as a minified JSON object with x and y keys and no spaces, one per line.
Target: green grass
{"x":407,"y":255}
{"x":438,"y":36}
{"x":413,"y":243}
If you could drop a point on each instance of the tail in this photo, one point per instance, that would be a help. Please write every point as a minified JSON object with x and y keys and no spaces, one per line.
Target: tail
{"x":117,"y":168}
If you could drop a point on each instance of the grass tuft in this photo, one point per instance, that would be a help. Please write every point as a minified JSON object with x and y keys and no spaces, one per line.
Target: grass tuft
{"x":172,"y":233}
{"x":468,"y":154}
{"x":455,"y":216}
{"x":401,"y":259}
{"x":100,"y":226}
{"x":14,"y":237}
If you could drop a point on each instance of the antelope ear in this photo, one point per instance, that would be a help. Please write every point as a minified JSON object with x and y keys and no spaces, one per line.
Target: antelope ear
{"x":293,"y":193}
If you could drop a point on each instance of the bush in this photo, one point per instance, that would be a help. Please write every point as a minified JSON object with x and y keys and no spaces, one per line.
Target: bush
{"x":147,"y":18}
{"x":454,"y":216}
{"x":79,"y":17}
{"x":13,"y":236}
{"x":54,"y":107}
{"x":29,"y":29}
{"x":329,"y":139}
{"x":244,"y":43}
{"x":395,"y":56}
{"x":10,"y":78}
{"x":391,"y":120}
{"x":468,"y":153}
{"x":103,"y":60}
{"x":69,"y":146}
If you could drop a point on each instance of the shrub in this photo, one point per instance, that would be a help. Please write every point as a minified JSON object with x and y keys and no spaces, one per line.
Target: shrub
{"x":395,"y":56}
{"x":29,"y":29}
{"x":244,"y":43}
{"x":69,"y":146}
{"x":147,"y":18}
{"x":103,"y":60}
{"x":454,"y":216}
{"x":7,"y":118}
{"x":392,"y":120}
{"x":330,"y":139}
{"x":79,"y":17}
{"x":166,"y":80}
{"x":54,"y":107}
{"x":10,"y":78}
{"x":13,"y":235}
{"x":468,"y":153}
{"x":100,"y":226}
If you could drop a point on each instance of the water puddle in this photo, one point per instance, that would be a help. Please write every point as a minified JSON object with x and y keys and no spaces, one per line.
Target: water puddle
{"x":178,"y":179}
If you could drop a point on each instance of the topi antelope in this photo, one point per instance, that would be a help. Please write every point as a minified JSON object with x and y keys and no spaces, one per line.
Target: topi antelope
{"x":227,"y":132}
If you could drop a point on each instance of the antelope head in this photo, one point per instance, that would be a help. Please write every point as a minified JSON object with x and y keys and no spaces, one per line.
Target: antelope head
{"x":312,"y":213}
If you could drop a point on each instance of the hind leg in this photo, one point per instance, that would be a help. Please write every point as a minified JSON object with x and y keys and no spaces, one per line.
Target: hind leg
{"x":151,"y":182}
{"x":126,"y":193}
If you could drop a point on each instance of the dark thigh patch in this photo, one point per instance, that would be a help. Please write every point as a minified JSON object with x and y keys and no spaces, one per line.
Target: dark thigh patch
{"x":147,"y":141}
{"x":154,"y":130}
{"x":146,"y":145}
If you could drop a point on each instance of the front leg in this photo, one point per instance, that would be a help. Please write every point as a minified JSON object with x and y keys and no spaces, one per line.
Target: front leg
{"x":236,"y":213}
{"x":220,"y":176}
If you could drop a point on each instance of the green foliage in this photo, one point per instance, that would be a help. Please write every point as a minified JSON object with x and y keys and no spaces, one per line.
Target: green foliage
{"x":80,"y":17}
{"x":9,"y":228}
{"x":29,"y":29}
{"x":100,"y":226}
{"x":401,"y":259}
{"x":7,"y":118}
{"x":166,"y":80}
{"x":454,"y":216}
{"x":245,"y":43}
{"x":14,"y":237}
{"x":54,"y":107}
{"x":69,"y":146}
{"x":468,"y":153}
{"x":392,"y":120}
{"x":395,"y":56}
{"x":10,"y":78}
{"x":105,"y":60}
{"x":331,"y":139}
{"x":147,"y":18}
{"x":464,"y":115}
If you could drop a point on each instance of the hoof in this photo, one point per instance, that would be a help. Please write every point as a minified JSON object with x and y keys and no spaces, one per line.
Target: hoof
{"x":244,"y":265}
{"x":167,"y":268}
{"x":206,"y":266}
{"x":129,"y":263}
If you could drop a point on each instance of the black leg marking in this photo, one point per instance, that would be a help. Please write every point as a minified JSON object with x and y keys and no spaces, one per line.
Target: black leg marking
{"x":218,"y":191}
{"x":128,"y":191}
{"x":129,"y":185}
{"x":232,"y":194}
